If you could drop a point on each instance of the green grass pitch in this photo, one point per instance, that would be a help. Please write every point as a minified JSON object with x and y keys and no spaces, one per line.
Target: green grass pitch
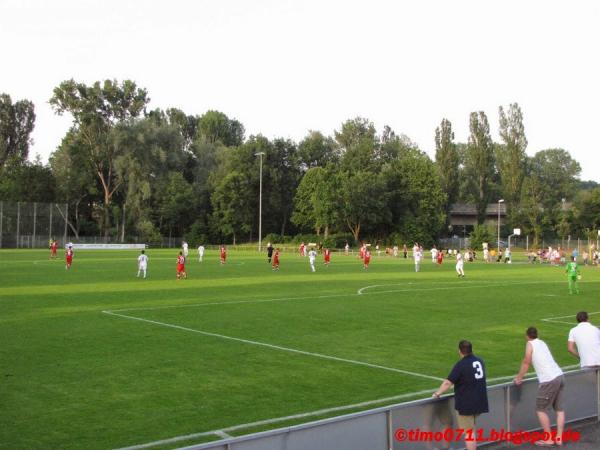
{"x":164,"y":364}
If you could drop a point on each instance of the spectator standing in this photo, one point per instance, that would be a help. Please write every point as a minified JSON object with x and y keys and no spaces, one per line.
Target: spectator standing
{"x":470,"y":400}
{"x":550,"y":390}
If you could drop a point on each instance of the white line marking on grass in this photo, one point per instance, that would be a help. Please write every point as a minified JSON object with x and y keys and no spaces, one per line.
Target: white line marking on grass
{"x":222,"y":434}
{"x":554,"y":319}
{"x":276,"y":420}
{"x":277,"y":347}
{"x":466,"y":284}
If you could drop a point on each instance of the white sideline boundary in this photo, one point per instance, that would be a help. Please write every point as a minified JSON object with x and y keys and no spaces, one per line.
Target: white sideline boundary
{"x":275,"y":420}
{"x":553,"y":319}
{"x":276,"y":347}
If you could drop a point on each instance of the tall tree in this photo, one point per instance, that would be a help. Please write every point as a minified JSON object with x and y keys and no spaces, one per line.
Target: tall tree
{"x":217,"y":127}
{"x":16,"y":124}
{"x":480,"y":161}
{"x":361,"y":200}
{"x":96,"y":110}
{"x":315,"y":201}
{"x":447,"y":160}
{"x":511,"y":159}
{"x":316,"y":150}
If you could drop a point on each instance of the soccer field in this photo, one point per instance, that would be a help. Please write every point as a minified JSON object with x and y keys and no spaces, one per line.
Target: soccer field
{"x":97,"y":358}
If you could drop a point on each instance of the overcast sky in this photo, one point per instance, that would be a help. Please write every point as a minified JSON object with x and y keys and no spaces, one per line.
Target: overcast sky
{"x":285,"y":67}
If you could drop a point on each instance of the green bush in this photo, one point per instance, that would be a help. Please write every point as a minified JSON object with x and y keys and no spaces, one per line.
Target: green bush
{"x":479,"y":235}
{"x":149,"y":234}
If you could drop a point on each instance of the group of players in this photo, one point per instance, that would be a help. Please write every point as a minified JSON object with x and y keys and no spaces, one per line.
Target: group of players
{"x":310,"y":251}
{"x":183,"y":256}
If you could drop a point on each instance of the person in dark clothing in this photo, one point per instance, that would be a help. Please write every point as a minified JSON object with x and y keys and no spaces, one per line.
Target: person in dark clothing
{"x":470,"y":390}
{"x":269,"y":252}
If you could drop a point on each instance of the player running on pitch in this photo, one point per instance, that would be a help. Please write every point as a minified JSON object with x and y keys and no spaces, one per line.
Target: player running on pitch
{"x":460,"y":263}
{"x":276,"y":260}
{"x":200,"y":252}
{"x":53,"y":249}
{"x":181,"y":266}
{"x":142,"y":264}
{"x":69,"y":257}
{"x":573,"y":275}
{"x":186,"y":250}
{"x":312,"y":256}
{"x":366,"y":259}
{"x":223,"y":255}
{"x":327,"y":256}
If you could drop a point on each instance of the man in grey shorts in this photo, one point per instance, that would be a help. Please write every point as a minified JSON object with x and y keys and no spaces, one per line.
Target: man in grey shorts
{"x":550,"y":390}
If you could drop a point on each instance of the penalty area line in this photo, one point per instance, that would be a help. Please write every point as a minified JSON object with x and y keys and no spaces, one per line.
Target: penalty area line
{"x":276,"y":347}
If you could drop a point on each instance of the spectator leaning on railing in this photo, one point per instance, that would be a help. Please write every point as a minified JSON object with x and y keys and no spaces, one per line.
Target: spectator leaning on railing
{"x":584,"y":342}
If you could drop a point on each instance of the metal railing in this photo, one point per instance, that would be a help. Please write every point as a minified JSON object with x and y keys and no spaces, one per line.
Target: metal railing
{"x":512,"y":408}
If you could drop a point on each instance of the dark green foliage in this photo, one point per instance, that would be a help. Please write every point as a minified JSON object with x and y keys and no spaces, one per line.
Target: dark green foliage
{"x":481,"y":234}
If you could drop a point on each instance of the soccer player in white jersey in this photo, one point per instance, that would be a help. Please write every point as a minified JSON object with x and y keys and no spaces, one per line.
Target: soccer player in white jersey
{"x":312,"y":255}
{"x":142,"y":263}
{"x":184,"y":247}
{"x":200,"y":252}
{"x":434,"y":252}
{"x":460,"y":262}
{"x":417,"y":255}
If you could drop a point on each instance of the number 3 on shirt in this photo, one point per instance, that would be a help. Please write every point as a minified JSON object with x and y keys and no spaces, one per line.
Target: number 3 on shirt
{"x":478,"y":370}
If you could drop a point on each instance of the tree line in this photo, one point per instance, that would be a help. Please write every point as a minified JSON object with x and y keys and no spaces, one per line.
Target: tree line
{"x":128,"y":171}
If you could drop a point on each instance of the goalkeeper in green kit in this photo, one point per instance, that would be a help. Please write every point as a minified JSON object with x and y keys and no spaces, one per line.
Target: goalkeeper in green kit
{"x":573,"y":275}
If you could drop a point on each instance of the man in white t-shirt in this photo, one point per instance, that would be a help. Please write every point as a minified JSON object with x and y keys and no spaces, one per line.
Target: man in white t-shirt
{"x":200,"y":252}
{"x":142,"y":264}
{"x":550,"y":390}
{"x":460,"y":263}
{"x":584,"y":342}
{"x":312,"y":255}
{"x":184,"y":247}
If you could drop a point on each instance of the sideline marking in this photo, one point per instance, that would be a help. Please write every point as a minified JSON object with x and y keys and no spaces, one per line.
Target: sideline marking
{"x":275,"y":420}
{"x":552,"y":319}
{"x":276,"y":347}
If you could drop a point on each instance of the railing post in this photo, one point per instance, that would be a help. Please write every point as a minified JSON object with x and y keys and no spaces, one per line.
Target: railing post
{"x":390,"y":433}
{"x":598,"y":395}
{"x":507,"y":408}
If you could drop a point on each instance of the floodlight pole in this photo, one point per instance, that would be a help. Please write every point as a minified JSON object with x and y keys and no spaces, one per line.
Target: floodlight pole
{"x":260,"y":155}
{"x":499,"y":201}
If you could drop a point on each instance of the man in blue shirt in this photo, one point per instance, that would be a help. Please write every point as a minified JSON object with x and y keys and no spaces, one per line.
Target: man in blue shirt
{"x":470,"y":390}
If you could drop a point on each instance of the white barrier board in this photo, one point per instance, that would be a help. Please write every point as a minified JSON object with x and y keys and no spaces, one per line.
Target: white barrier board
{"x":108,"y":246}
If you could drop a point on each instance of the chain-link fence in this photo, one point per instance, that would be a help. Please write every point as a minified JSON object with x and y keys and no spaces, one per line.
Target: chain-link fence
{"x":32,"y":225}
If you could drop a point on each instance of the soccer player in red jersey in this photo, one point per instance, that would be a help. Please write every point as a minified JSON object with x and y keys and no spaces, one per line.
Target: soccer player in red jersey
{"x":276,"y":260}
{"x":53,"y":248}
{"x":181,"y":266}
{"x":327,"y":256}
{"x":367,"y":259}
{"x":69,"y":257}
{"x":440,"y":257}
{"x":223,"y":254}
